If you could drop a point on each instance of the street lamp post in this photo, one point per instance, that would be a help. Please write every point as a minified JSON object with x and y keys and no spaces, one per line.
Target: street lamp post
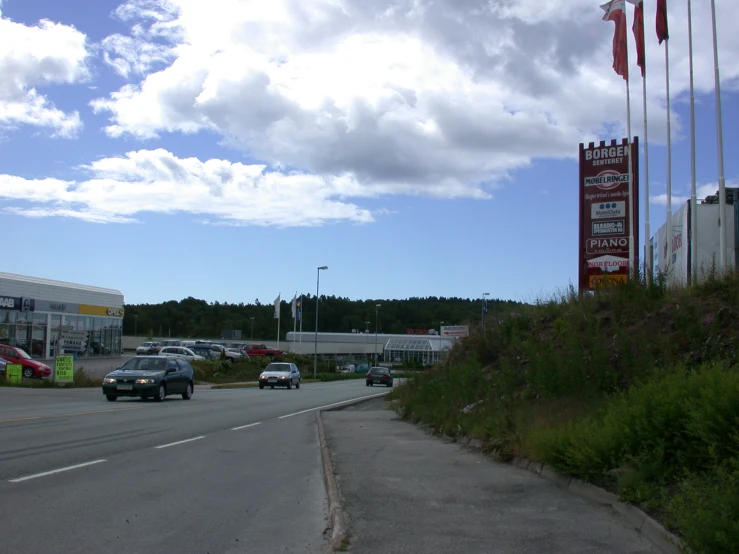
{"x":315,"y":340}
{"x":135,"y":325}
{"x":377,"y":307}
{"x":441,"y":324}
{"x":482,"y":309}
{"x":251,"y":333}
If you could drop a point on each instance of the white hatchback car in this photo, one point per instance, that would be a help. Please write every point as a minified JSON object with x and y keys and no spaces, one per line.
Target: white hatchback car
{"x":180,"y":352}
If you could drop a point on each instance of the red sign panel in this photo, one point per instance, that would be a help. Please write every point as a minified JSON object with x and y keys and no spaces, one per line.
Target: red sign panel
{"x":606,"y":212}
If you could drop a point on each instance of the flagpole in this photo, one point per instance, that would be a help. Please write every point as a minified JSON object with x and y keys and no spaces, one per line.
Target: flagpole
{"x":668,"y":232}
{"x":720,"y":148}
{"x":301,"y":319}
{"x":693,"y":195}
{"x":279,"y":305}
{"x":295,"y":320}
{"x":632,"y":210}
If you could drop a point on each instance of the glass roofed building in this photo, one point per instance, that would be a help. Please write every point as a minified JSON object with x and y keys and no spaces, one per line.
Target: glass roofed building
{"x":425,"y":350}
{"x":392,"y":348}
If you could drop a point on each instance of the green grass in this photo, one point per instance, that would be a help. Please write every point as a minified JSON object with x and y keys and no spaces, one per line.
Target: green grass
{"x":639,"y":379}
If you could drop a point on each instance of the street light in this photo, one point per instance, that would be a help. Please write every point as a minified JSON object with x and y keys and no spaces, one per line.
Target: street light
{"x":377,"y":307}
{"x":135,"y":325}
{"x":482,"y":317}
{"x":315,"y":340}
{"x":441,"y":324}
{"x":251,"y":334}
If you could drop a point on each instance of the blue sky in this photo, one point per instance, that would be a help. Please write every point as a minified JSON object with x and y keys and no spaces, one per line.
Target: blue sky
{"x":224,"y":150}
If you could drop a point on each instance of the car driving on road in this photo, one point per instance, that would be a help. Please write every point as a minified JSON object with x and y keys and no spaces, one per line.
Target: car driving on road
{"x":379,"y":375}
{"x":280,"y":374}
{"x":150,"y":377}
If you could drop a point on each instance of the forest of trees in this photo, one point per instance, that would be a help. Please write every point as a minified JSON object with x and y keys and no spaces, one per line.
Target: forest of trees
{"x":191,"y":317}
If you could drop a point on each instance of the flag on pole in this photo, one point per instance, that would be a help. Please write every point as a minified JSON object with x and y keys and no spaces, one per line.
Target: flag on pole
{"x":485,"y":306}
{"x":299,"y":308}
{"x":294,"y":306}
{"x":661,"y":22}
{"x":638,"y":29}
{"x":616,"y":12}
{"x":277,"y":307}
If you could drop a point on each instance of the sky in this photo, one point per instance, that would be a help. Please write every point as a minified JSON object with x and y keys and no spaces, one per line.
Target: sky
{"x":227,"y":149}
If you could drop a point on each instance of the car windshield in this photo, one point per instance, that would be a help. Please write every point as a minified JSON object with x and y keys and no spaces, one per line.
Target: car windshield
{"x":144,"y":364}
{"x":278,"y":367}
{"x":23,"y":354}
{"x":146,"y":344}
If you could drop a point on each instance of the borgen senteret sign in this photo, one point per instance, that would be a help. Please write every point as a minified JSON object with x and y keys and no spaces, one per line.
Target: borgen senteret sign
{"x":606,"y":209}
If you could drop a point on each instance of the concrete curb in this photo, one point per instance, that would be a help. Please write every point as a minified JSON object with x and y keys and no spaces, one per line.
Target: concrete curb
{"x":335,"y":511}
{"x":654,"y":532}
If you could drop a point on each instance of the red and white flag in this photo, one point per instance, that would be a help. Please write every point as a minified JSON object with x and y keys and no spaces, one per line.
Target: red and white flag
{"x":616,"y":12}
{"x":661,"y":22}
{"x":638,"y":29}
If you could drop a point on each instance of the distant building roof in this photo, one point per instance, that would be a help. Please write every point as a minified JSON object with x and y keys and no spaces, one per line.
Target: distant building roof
{"x":51,"y":282}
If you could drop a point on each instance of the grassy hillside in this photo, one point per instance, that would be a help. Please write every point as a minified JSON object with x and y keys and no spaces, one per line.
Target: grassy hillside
{"x":634,"y":388}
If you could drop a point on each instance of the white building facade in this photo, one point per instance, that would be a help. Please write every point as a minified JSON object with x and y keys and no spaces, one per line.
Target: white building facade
{"x":46,"y":317}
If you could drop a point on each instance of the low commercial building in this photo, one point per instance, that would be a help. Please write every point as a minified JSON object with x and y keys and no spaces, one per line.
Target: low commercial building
{"x":46,"y":317}
{"x":425,"y":349}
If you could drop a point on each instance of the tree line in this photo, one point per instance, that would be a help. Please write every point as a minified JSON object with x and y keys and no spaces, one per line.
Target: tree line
{"x":194,"y":318}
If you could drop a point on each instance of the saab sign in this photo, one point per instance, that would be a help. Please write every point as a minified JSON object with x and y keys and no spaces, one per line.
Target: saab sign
{"x":17,"y":303}
{"x":607,"y":210}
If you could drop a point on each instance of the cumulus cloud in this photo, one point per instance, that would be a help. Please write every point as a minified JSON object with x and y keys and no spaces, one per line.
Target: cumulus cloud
{"x":443,"y":98}
{"x":33,"y":57}
{"x":120,"y":188}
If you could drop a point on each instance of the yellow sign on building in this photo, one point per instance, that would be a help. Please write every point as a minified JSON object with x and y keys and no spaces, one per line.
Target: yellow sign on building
{"x":106,"y":311}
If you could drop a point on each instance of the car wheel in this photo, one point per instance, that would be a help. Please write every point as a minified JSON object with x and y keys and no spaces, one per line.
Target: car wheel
{"x":389,"y":384}
{"x":161,"y":393}
{"x":187,"y":395}
{"x":371,"y":383}
{"x":28,"y":372}
{"x":111,"y":397}
{"x":271,"y":386}
{"x":144,"y":398}
{"x":261,"y":385}
{"x":289,"y":384}
{"x":297,"y":385}
{"x":366,"y":383}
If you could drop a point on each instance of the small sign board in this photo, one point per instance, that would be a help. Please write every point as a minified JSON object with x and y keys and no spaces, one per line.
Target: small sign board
{"x":14,"y":374}
{"x":64,"y":369}
{"x":458,"y":331}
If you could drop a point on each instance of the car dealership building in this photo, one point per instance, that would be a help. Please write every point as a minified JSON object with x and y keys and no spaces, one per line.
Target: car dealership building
{"x":43,"y":316}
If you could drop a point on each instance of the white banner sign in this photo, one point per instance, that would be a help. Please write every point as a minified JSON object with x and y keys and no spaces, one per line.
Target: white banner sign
{"x":454,"y":331}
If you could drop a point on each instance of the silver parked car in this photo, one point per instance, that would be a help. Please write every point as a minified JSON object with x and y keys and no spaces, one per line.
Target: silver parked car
{"x":180,"y":352}
{"x":280,"y":374}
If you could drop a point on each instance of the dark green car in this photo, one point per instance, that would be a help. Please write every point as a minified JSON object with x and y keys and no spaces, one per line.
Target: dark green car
{"x":150,"y":377}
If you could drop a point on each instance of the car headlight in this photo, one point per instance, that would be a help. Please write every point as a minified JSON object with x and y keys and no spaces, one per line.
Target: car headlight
{"x":144,"y":381}
{"x":109,"y":381}
{"x":283,"y":377}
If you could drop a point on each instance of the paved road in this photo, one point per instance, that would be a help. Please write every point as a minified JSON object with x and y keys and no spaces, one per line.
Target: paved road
{"x":247,"y":479}
{"x":405,"y":491}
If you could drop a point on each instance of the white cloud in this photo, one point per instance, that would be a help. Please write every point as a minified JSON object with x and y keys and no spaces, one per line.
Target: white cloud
{"x":38,"y":56}
{"x":406,"y":96}
{"x":118,"y":189}
{"x":150,"y":43}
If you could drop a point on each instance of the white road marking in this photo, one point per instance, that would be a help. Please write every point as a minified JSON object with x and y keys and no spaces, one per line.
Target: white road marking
{"x":330,"y":405}
{"x":180,"y":442}
{"x":45,"y":473}
{"x":245,"y":426}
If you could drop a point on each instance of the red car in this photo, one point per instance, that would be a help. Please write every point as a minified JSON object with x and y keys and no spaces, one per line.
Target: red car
{"x":255,"y":349}
{"x":31,"y":368}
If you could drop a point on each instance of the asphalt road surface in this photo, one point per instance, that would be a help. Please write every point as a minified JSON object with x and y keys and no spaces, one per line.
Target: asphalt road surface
{"x":227,"y":471}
